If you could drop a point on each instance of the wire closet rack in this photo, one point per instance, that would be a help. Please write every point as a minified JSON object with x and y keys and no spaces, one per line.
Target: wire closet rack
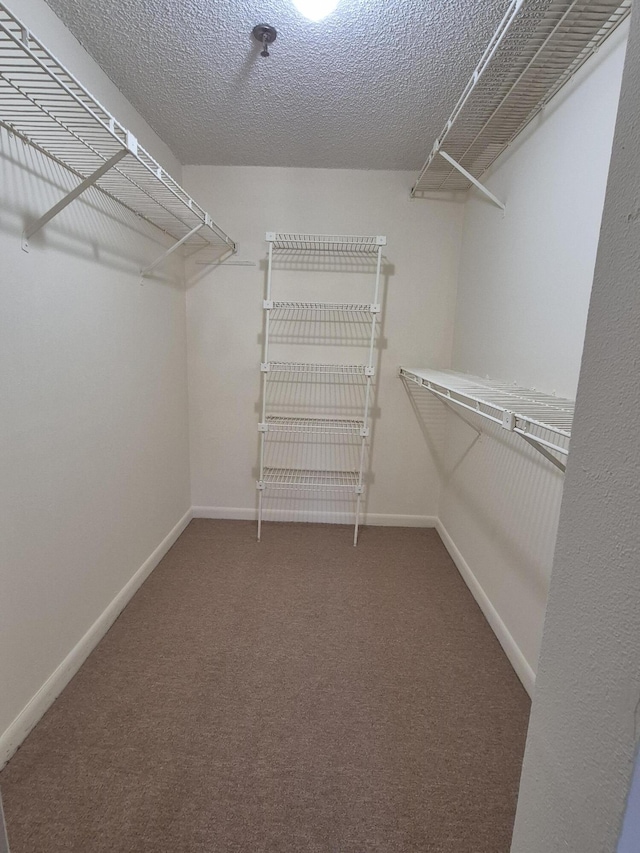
{"x":342,"y":244}
{"x":44,"y":105}
{"x":538,"y":46}
{"x":326,"y":428}
{"x":544,"y":421}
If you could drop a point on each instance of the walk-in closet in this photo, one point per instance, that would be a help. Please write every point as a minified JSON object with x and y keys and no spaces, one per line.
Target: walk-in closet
{"x":319,"y":334}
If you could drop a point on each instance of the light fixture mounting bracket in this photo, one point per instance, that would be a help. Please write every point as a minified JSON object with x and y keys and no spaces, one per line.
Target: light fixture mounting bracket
{"x":266,"y":35}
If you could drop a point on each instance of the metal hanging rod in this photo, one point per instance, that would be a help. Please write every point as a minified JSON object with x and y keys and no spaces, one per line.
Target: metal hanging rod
{"x":536,"y":49}
{"x":44,"y":105}
{"x":522,"y":411}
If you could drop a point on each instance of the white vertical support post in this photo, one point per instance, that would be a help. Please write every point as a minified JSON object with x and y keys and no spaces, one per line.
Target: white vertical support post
{"x":376,"y":297}
{"x":367,"y":401}
{"x":265,"y":360}
{"x":265,"y":349}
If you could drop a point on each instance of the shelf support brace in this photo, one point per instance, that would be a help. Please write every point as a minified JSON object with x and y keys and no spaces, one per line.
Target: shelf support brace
{"x":30,"y":230}
{"x":145,"y":272}
{"x":542,"y":449}
{"x":471,"y":178}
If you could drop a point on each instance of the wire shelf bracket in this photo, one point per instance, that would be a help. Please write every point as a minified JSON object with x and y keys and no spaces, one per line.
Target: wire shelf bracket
{"x":34,"y":227}
{"x":45,"y":106}
{"x":492,"y":198}
{"x":519,"y":410}
{"x":163,"y":257}
{"x":537,"y":47}
{"x":325,"y":428}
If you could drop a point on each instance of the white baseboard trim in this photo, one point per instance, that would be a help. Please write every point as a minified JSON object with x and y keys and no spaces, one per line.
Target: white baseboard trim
{"x":518,"y":661}
{"x":11,"y":739}
{"x":372,"y":518}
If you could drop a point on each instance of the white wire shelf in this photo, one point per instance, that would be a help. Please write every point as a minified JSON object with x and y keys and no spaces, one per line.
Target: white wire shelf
{"x":304,"y":419}
{"x":43,"y":104}
{"x":538,"y":46}
{"x":303,"y":479}
{"x":309,"y":425}
{"x":329,"y":369}
{"x":518,"y":410}
{"x":322,"y":307}
{"x":335,"y":243}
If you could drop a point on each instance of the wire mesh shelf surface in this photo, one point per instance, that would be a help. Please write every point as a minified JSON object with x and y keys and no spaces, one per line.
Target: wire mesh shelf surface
{"x":302,"y":367}
{"x":302,"y":479}
{"x":341,"y":244}
{"x":46,"y":106}
{"x":536,"y":49}
{"x":534,"y":408}
{"x":312,"y":307}
{"x":321,"y":426}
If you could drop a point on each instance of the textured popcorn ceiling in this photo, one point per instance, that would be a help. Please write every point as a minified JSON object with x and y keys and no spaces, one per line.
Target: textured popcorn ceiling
{"x":369,"y":87}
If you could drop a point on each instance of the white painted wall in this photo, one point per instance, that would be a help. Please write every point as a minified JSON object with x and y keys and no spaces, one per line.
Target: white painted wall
{"x":523,"y":293}
{"x":225,"y":322}
{"x":584,"y":729}
{"x":94,"y":454}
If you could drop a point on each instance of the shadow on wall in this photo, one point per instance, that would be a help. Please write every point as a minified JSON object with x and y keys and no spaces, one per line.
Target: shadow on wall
{"x":314,"y":336}
{"x":431,"y":416}
{"x":494,"y":483}
{"x":94,"y":227}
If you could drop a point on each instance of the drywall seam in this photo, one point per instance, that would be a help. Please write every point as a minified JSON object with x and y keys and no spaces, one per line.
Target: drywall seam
{"x":513,"y":652}
{"x":377,"y":519}
{"x":18,"y":730}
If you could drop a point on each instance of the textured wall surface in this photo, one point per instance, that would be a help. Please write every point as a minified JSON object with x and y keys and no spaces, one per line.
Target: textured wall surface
{"x":523,"y":293}
{"x":225,"y":316}
{"x":370,"y":87}
{"x":94,"y":456}
{"x":585,"y":721}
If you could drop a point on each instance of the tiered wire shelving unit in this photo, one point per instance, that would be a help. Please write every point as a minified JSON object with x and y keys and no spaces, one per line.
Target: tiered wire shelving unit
{"x":538,"y":46}
{"x":542,"y":420}
{"x":324,"y":427}
{"x":44,"y":105}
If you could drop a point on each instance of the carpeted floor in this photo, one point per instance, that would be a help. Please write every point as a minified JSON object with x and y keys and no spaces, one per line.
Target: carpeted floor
{"x":294,"y":695}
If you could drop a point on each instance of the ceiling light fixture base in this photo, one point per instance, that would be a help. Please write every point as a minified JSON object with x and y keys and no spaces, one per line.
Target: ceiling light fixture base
{"x":266,"y":35}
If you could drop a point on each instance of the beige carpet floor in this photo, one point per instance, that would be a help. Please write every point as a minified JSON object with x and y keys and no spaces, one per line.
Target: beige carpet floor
{"x":294,"y":695}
